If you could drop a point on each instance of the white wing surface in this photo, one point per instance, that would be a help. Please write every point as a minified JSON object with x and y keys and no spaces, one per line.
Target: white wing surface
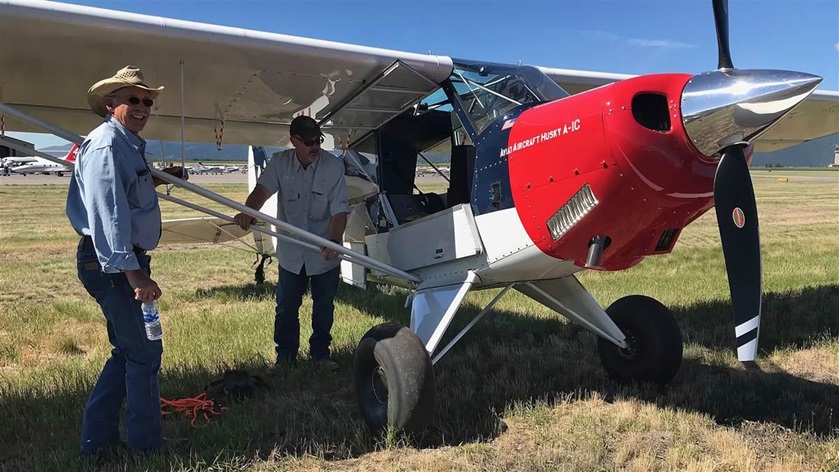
{"x":238,"y":86}
{"x":253,"y":82}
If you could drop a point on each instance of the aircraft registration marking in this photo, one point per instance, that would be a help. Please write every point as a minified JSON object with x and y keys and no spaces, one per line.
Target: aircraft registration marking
{"x":567,"y":128}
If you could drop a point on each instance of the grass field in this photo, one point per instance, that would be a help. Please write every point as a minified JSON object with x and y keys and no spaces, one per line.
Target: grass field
{"x":524,"y":390}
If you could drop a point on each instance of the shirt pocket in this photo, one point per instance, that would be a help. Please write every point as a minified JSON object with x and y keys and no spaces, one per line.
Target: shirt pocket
{"x":292,"y":203}
{"x":319,"y":201}
{"x":142,"y":194}
{"x":319,"y":206}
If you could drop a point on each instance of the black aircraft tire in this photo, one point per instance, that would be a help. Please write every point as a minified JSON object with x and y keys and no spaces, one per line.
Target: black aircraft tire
{"x":655,"y":339}
{"x":394,"y":379}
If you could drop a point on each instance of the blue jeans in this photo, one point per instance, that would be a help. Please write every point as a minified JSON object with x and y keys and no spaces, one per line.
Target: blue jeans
{"x":290,"y":290}
{"x":130,"y":373}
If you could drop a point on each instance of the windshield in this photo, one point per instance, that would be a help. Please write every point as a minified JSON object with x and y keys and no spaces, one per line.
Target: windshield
{"x":490,"y":91}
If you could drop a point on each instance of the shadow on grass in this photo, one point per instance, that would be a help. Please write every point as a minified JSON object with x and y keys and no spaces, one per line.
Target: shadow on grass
{"x":507,"y":359}
{"x":385,"y":302}
{"x":789,"y":320}
{"x":511,"y":358}
{"x":247,"y":292}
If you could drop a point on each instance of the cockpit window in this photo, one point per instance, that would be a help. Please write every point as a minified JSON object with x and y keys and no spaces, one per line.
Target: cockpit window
{"x":488,"y":91}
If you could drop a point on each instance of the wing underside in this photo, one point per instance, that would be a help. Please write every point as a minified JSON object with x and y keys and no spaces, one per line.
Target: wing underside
{"x":237,"y":86}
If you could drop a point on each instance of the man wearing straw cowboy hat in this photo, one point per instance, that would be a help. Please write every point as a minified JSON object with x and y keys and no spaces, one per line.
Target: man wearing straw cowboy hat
{"x":113,"y":206}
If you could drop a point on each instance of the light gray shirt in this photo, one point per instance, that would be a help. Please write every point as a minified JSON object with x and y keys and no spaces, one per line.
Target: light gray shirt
{"x":307,"y":198}
{"x":112,"y":197}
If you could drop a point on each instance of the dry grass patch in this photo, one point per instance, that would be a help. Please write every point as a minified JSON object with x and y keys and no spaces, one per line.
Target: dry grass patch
{"x":818,"y":364}
{"x":397,"y":459}
{"x":626,"y":434}
{"x":64,"y":342}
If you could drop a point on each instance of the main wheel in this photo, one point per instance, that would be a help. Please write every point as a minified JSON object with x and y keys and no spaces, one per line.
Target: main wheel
{"x":655,"y":342}
{"x":394,"y":379}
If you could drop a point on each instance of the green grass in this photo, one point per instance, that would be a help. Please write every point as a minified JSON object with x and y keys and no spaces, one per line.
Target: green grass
{"x":524,"y":390}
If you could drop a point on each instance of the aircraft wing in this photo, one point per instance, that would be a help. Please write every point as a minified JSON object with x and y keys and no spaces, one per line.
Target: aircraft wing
{"x":200,"y":230}
{"x":238,"y":86}
{"x":816,"y":117}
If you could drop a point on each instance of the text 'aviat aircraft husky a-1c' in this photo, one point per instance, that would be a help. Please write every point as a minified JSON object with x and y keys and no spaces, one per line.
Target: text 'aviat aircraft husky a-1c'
{"x":553,"y":171}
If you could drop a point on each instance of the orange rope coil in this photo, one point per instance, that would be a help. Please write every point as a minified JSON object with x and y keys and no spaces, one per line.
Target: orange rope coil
{"x":193,"y":408}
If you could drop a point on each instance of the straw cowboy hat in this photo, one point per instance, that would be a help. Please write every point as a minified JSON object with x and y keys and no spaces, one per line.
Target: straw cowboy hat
{"x":128,"y":76}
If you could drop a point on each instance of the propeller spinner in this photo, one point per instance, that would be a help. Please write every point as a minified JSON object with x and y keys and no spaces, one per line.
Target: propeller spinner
{"x":723,"y":112}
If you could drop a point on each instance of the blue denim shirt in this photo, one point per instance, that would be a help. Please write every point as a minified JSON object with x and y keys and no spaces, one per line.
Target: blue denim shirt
{"x":112,"y":197}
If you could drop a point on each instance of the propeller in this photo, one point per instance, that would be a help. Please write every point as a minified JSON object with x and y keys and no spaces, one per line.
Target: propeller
{"x":721,"y":21}
{"x":734,"y":202}
{"x":723,"y":111}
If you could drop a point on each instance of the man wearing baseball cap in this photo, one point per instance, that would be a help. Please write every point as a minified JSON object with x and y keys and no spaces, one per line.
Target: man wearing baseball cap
{"x":312,"y":195}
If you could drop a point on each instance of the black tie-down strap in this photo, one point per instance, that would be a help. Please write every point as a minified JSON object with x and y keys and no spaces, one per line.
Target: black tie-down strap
{"x":259,"y":273}
{"x":236,"y":384}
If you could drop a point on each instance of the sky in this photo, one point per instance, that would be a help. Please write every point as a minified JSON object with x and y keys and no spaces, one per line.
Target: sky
{"x":623,"y":36}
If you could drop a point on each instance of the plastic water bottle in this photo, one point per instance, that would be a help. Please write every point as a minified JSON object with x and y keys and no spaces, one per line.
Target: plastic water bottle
{"x":151,"y":317}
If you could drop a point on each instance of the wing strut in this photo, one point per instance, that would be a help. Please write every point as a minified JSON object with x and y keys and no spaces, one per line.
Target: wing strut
{"x":308,"y":237}
{"x":470,"y":324}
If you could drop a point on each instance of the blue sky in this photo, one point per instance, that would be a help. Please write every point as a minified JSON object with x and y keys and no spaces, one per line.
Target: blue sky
{"x":629,"y":36}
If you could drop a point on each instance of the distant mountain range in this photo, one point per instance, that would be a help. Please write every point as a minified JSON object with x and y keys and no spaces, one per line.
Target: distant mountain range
{"x":171,"y":151}
{"x":816,"y":153}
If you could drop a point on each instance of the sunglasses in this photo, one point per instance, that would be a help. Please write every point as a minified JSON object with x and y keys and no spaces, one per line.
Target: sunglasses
{"x":311,"y":142}
{"x":136,"y":101}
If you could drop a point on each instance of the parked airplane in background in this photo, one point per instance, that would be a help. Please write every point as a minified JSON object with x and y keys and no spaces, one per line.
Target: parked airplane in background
{"x":13,"y":161}
{"x":40,"y":165}
{"x":202,"y":169}
{"x":553,"y":171}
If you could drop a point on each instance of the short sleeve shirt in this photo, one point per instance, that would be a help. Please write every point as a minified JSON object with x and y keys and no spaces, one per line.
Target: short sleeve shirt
{"x":307,"y":198}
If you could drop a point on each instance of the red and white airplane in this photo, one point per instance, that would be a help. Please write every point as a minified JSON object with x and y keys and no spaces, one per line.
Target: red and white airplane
{"x":40,"y":165}
{"x":553,"y":171}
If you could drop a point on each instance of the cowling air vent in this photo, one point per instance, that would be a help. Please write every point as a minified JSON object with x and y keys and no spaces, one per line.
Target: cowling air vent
{"x":650,"y":111}
{"x":667,"y":239}
{"x":572,"y":212}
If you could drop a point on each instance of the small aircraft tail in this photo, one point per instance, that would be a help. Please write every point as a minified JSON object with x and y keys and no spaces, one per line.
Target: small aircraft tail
{"x":71,"y":155}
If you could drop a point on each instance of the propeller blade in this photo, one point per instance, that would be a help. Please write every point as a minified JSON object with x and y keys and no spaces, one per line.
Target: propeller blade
{"x":721,"y":21}
{"x":737,"y":218}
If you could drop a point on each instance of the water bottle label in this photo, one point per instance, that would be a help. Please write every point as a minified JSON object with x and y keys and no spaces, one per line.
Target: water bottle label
{"x":154,"y":332}
{"x":151,"y":318}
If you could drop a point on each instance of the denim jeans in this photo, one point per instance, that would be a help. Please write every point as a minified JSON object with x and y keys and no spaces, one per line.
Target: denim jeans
{"x":130,"y":373}
{"x":290,"y":290}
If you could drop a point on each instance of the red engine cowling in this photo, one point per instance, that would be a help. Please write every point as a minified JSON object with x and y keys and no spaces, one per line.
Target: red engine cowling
{"x":613,"y":162}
